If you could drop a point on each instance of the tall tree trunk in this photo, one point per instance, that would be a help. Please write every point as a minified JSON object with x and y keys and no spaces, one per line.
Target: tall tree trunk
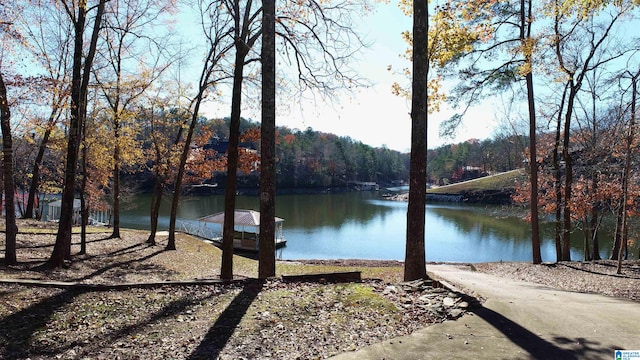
{"x":267,"y":259}
{"x":535,"y":226}
{"x":79,"y":85}
{"x":414,"y":265}
{"x":226,"y":269}
{"x":525,"y":21}
{"x":568,"y":176}
{"x":557,"y":182}
{"x":244,"y":41}
{"x":35,"y":178}
{"x":11,"y":229}
{"x":557,"y":187}
{"x":627,"y":170}
{"x":156,"y":199}
{"x":211,"y":61}
{"x":62,"y":247}
{"x":593,"y":225}
{"x":594,"y":252}
{"x":116,"y":181}
{"x":175,"y":201}
{"x":595,"y":249}
{"x":617,"y":236}
{"x":587,"y":239}
{"x":116,"y":154}
{"x":83,"y":203}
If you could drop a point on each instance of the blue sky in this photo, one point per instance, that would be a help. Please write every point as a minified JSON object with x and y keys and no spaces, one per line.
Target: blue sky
{"x":374,"y":115}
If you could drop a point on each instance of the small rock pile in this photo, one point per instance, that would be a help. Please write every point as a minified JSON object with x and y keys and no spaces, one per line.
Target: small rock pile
{"x":428,"y":298}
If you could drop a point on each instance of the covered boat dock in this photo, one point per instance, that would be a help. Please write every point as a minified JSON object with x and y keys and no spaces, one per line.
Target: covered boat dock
{"x":246,"y":229}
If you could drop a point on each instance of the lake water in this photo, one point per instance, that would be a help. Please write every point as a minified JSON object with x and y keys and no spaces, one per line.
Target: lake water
{"x":362,"y":225}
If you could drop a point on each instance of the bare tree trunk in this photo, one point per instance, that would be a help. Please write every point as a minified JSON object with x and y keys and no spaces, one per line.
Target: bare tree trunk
{"x":11,"y":229}
{"x":217,"y":50}
{"x":79,"y":85}
{"x":525,"y":21}
{"x":594,"y":252}
{"x":535,"y":226}
{"x":414,"y":265}
{"x":595,"y":249}
{"x":244,"y":41}
{"x":83,"y":203}
{"x":35,"y":179}
{"x":587,"y":239}
{"x":625,"y":177}
{"x":557,"y":171}
{"x":617,"y":236}
{"x":175,"y":201}
{"x":568,"y":176}
{"x":226,"y":269}
{"x":267,"y":263}
{"x":116,"y":195}
{"x":156,"y":199}
{"x":116,"y":180}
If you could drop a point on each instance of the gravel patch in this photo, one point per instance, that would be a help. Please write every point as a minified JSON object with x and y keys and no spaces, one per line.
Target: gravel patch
{"x":596,"y":277}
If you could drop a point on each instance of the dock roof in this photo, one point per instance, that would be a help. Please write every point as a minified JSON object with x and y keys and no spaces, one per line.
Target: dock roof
{"x":241,"y":218}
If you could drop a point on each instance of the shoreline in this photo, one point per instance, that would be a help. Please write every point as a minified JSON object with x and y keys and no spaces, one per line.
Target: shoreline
{"x":186,"y":310}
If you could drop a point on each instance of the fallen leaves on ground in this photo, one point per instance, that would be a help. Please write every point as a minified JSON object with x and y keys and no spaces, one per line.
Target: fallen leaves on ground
{"x":597,"y":277}
{"x":246,"y":319}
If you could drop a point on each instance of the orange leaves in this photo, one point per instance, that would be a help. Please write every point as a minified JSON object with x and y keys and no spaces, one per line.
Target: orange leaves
{"x":597,"y":175}
{"x":250,"y":135}
{"x":248,"y":161}
{"x":201,"y":162}
{"x":289,"y":139}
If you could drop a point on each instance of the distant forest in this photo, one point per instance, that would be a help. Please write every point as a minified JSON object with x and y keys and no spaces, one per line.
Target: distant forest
{"x":308,"y":159}
{"x":313,"y":160}
{"x":475,"y":158}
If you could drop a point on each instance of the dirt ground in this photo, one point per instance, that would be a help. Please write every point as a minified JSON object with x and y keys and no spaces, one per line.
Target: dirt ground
{"x":118,"y":301}
{"x":121,"y":300}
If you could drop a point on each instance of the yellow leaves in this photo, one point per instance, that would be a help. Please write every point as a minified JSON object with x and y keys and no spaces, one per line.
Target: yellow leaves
{"x":435,"y":94}
{"x":406,"y":6}
{"x":98,"y":149}
{"x":524,"y":69}
{"x":449,"y":37}
{"x":398,"y":90}
{"x":527,"y":49}
{"x":581,"y":8}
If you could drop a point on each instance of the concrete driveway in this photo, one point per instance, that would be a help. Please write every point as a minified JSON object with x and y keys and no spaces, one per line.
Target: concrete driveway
{"x":518,"y":320}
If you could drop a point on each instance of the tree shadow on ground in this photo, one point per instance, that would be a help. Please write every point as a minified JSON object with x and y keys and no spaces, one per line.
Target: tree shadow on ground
{"x":127,"y":250}
{"x":220,"y":333}
{"x":632,"y":273}
{"x":169,"y":310}
{"x":38,"y":263}
{"x":106,"y":263}
{"x":539,"y":348}
{"x":17,"y":330}
{"x":45,"y":246}
{"x":123,"y":265}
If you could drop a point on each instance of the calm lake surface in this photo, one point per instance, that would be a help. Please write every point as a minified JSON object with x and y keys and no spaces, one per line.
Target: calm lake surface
{"x":362,"y":225}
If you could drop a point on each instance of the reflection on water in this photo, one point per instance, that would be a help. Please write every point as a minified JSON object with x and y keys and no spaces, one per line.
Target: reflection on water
{"x":362,"y":225}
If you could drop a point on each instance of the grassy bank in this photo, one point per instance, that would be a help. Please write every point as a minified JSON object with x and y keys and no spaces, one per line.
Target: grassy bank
{"x":496,"y":182}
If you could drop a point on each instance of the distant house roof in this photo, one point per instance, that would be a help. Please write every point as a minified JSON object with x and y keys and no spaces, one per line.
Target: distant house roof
{"x":240,"y":218}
